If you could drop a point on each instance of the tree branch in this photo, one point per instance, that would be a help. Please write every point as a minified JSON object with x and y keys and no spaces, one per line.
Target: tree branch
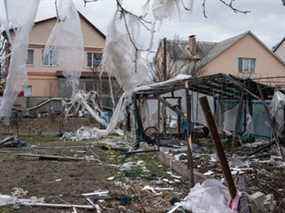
{"x":230,"y":4}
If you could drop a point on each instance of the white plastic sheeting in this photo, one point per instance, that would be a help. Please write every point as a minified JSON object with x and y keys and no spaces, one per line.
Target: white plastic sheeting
{"x":124,"y":61}
{"x":66,"y":42}
{"x":13,"y":200}
{"x":166,"y":9}
{"x":21,"y":14}
{"x":149,"y":114}
{"x":121,"y":58}
{"x":82,"y":101}
{"x":210,"y":196}
{"x":230,"y":118}
{"x":85,"y":133}
{"x":277,"y":110}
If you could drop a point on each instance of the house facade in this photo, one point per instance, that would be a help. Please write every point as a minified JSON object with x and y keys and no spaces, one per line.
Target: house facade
{"x":45,"y":79}
{"x":243,"y":55}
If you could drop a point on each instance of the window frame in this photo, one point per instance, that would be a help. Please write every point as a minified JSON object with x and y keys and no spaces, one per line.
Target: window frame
{"x":93,"y":58}
{"x":246,"y":65}
{"x":33,"y":56}
{"x":52,"y":62}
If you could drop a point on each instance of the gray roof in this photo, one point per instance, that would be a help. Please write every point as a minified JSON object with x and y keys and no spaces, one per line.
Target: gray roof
{"x":207,"y":51}
{"x":219,"y":48}
{"x":275,"y":48}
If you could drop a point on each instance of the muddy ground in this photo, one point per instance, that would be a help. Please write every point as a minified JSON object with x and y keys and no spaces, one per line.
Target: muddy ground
{"x":64,"y":182}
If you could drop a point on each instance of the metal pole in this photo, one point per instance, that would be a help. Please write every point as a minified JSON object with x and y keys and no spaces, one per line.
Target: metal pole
{"x":179,"y":119}
{"x":220,"y":150}
{"x":189,"y":140}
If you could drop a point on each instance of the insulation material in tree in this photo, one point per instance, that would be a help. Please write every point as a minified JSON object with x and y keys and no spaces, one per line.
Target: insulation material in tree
{"x":121,"y":57}
{"x":278,"y":110}
{"x":166,"y":9}
{"x":22,"y":15}
{"x":66,"y":43}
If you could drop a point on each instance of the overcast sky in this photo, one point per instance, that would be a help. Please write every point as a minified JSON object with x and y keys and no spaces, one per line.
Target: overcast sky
{"x":266,"y":19}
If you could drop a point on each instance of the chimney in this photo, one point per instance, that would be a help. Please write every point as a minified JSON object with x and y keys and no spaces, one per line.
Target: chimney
{"x":192,"y":45}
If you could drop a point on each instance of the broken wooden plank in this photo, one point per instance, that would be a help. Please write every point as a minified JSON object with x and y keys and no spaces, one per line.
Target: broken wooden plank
{"x":219,"y":147}
{"x":50,"y":205}
{"x":50,"y":157}
{"x":189,"y":141}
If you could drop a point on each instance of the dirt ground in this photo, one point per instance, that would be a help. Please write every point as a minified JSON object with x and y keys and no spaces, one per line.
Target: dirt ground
{"x":64,"y":182}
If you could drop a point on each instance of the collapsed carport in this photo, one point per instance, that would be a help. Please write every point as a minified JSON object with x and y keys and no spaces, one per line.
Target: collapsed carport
{"x":218,"y":86}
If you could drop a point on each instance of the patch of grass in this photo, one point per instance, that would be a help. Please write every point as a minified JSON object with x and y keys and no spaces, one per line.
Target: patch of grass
{"x":9,"y":210}
{"x":36,"y":139}
{"x":150,"y":169}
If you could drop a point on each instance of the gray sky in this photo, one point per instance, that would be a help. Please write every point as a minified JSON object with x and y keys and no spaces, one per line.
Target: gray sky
{"x":266,"y":19}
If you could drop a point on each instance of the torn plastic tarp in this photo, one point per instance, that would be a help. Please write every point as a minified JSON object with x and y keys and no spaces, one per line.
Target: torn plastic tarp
{"x":86,"y":133}
{"x":21,"y":14}
{"x":83,"y":101}
{"x":166,"y":9}
{"x":230,"y":118}
{"x":121,"y":59}
{"x":277,"y":111}
{"x":210,"y":196}
{"x":66,"y":42}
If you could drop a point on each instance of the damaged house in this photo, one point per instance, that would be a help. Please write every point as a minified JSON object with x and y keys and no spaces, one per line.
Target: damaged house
{"x":244,"y":56}
{"x":46,"y":79}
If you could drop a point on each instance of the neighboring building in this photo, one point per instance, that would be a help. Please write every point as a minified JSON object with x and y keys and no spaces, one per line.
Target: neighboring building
{"x":243,"y":55}
{"x":279,"y":49}
{"x":44,"y":77}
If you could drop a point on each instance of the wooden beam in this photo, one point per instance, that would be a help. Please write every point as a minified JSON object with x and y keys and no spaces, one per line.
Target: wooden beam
{"x":189,"y":140}
{"x":219,"y":147}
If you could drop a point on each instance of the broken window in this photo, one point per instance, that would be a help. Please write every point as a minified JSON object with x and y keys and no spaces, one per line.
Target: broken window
{"x":246,"y":65}
{"x":50,"y":59}
{"x":30,"y":59}
{"x":93,"y":59}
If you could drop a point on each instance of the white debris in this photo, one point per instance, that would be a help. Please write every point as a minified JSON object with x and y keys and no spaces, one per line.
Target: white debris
{"x":13,"y":200}
{"x":210,"y":196}
{"x":155,"y":190}
{"x":110,"y":178}
{"x":83,"y":133}
{"x":128,"y":166}
{"x":7,"y":200}
{"x":208,"y":173}
{"x":19,"y":192}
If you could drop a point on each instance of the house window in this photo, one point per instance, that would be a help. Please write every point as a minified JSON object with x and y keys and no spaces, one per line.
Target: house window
{"x":93,"y":59}
{"x":30,"y":57}
{"x":50,"y":58}
{"x":246,"y":65}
